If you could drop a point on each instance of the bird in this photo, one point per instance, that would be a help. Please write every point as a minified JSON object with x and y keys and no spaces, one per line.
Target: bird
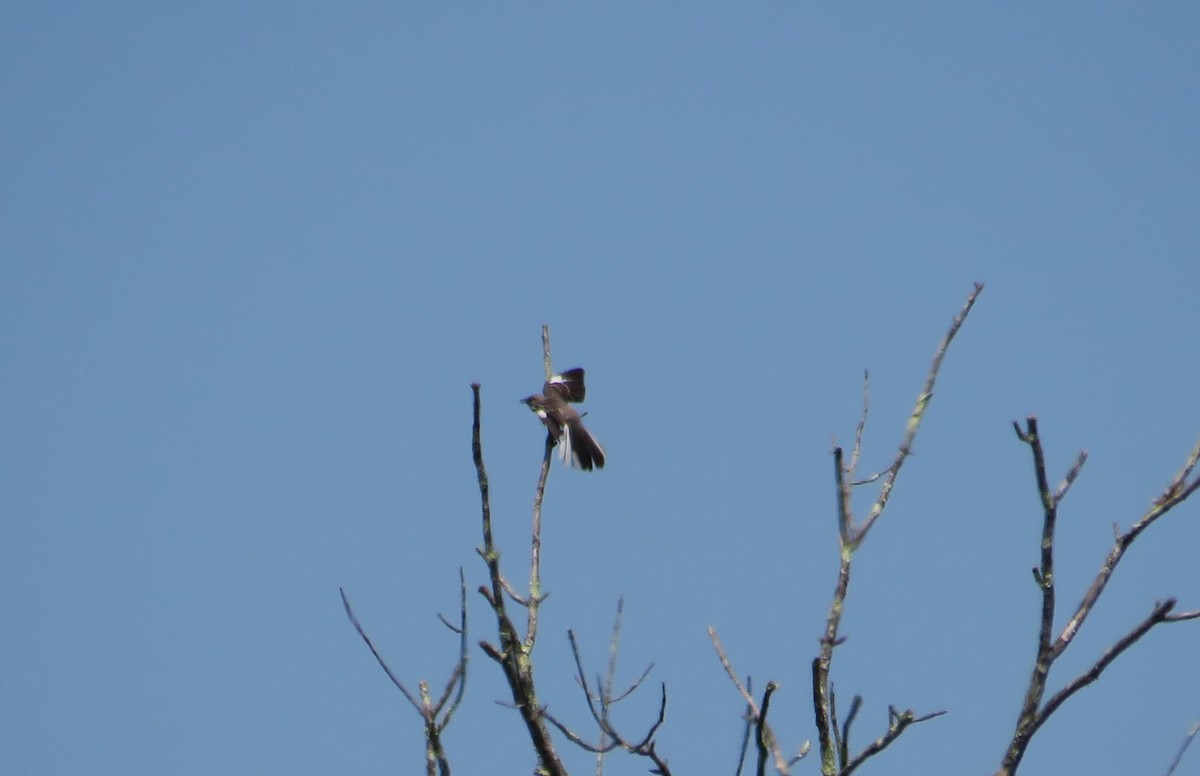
{"x":553,"y":405}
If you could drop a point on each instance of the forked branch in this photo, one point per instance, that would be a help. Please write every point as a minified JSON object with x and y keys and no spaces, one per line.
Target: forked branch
{"x":765,"y":739}
{"x":435,"y":715}
{"x":836,"y":757}
{"x":600,"y":700}
{"x":1033,"y":712}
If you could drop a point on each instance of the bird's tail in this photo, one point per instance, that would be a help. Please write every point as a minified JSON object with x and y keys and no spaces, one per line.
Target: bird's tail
{"x":579,"y":448}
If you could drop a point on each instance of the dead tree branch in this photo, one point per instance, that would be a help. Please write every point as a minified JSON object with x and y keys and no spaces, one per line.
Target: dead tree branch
{"x":1187,"y":741}
{"x":834,"y":744}
{"x":600,"y":701}
{"x":514,"y":653}
{"x":756,"y":715}
{"x":1033,"y":713}
{"x":435,"y":715}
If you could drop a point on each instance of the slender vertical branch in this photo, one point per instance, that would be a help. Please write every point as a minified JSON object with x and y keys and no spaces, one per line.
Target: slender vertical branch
{"x":535,"y":542}
{"x":918,"y":413}
{"x":1044,"y":576}
{"x":1187,"y":741}
{"x":834,"y":748}
{"x":763,"y":737}
{"x":862,"y":426}
{"x":606,"y":687}
{"x":512,"y":656}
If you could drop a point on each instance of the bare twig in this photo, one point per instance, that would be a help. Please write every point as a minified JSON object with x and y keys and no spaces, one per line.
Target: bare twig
{"x":604,"y":686}
{"x":749,"y":718}
{"x":844,"y":747}
{"x":914,"y":420}
{"x":464,"y":654}
{"x":1187,"y":740}
{"x":898,"y":722}
{"x":1158,"y":615}
{"x":763,"y":738}
{"x":756,"y":715}
{"x":862,"y":426}
{"x":375,"y":651}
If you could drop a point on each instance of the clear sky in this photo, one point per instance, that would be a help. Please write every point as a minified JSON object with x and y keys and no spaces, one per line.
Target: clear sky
{"x":253,"y":255}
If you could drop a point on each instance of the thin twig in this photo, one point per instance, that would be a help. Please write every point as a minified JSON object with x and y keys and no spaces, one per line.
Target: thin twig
{"x":745,"y":747}
{"x":464,"y":653}
{"x":898,"y":722}
{"x":862,"y":426}
{"x":1157,"y":616}
{"x":751,"y":705}
{"x":1187,"y":740}
{"x":844,"y":752}
{"x":914,"y":420}
{"x":375,"y":651}
{"x":763,"y":738}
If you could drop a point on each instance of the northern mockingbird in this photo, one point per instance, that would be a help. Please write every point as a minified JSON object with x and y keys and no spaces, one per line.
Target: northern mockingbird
{"x":576,"y":444}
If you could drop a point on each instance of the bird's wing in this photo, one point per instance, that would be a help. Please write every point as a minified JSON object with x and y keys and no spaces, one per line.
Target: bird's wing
{"x":568,"y":385}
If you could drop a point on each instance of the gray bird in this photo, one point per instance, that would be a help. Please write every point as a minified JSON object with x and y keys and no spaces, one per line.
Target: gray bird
{"x":553,"y":405}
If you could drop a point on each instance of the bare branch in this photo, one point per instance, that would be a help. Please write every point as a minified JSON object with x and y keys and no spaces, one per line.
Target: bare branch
{"x":745,"y":747}
{"x":1192,"y":615}
{"x":1033,"y":714}
{"x":600,"y":703}
{"x":728,"y":666}
{"x":1158,"y":615}
{"x":918,"y":413}
{"x":898,"y":722}
{"x":1072,"y":473}
{"x":844,"y":747}
{"x":862,"y":427}
{"x":464,"y":654}
{"x":763,"y":738}
{"x":512,"y":656}
{"x":535,"y":543}
{"x":1027,"y":721}
{"x":831,"y":739}
{"x":1187,"y":740}
{"x":755,"y":714}
{"x":431,"y":713}
{"x":375,"y":651}
{"x":1176,"y":493}
{"x":577,"y":739}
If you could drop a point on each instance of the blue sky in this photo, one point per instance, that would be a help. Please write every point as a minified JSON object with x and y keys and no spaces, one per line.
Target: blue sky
{"x":251,"y":258}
